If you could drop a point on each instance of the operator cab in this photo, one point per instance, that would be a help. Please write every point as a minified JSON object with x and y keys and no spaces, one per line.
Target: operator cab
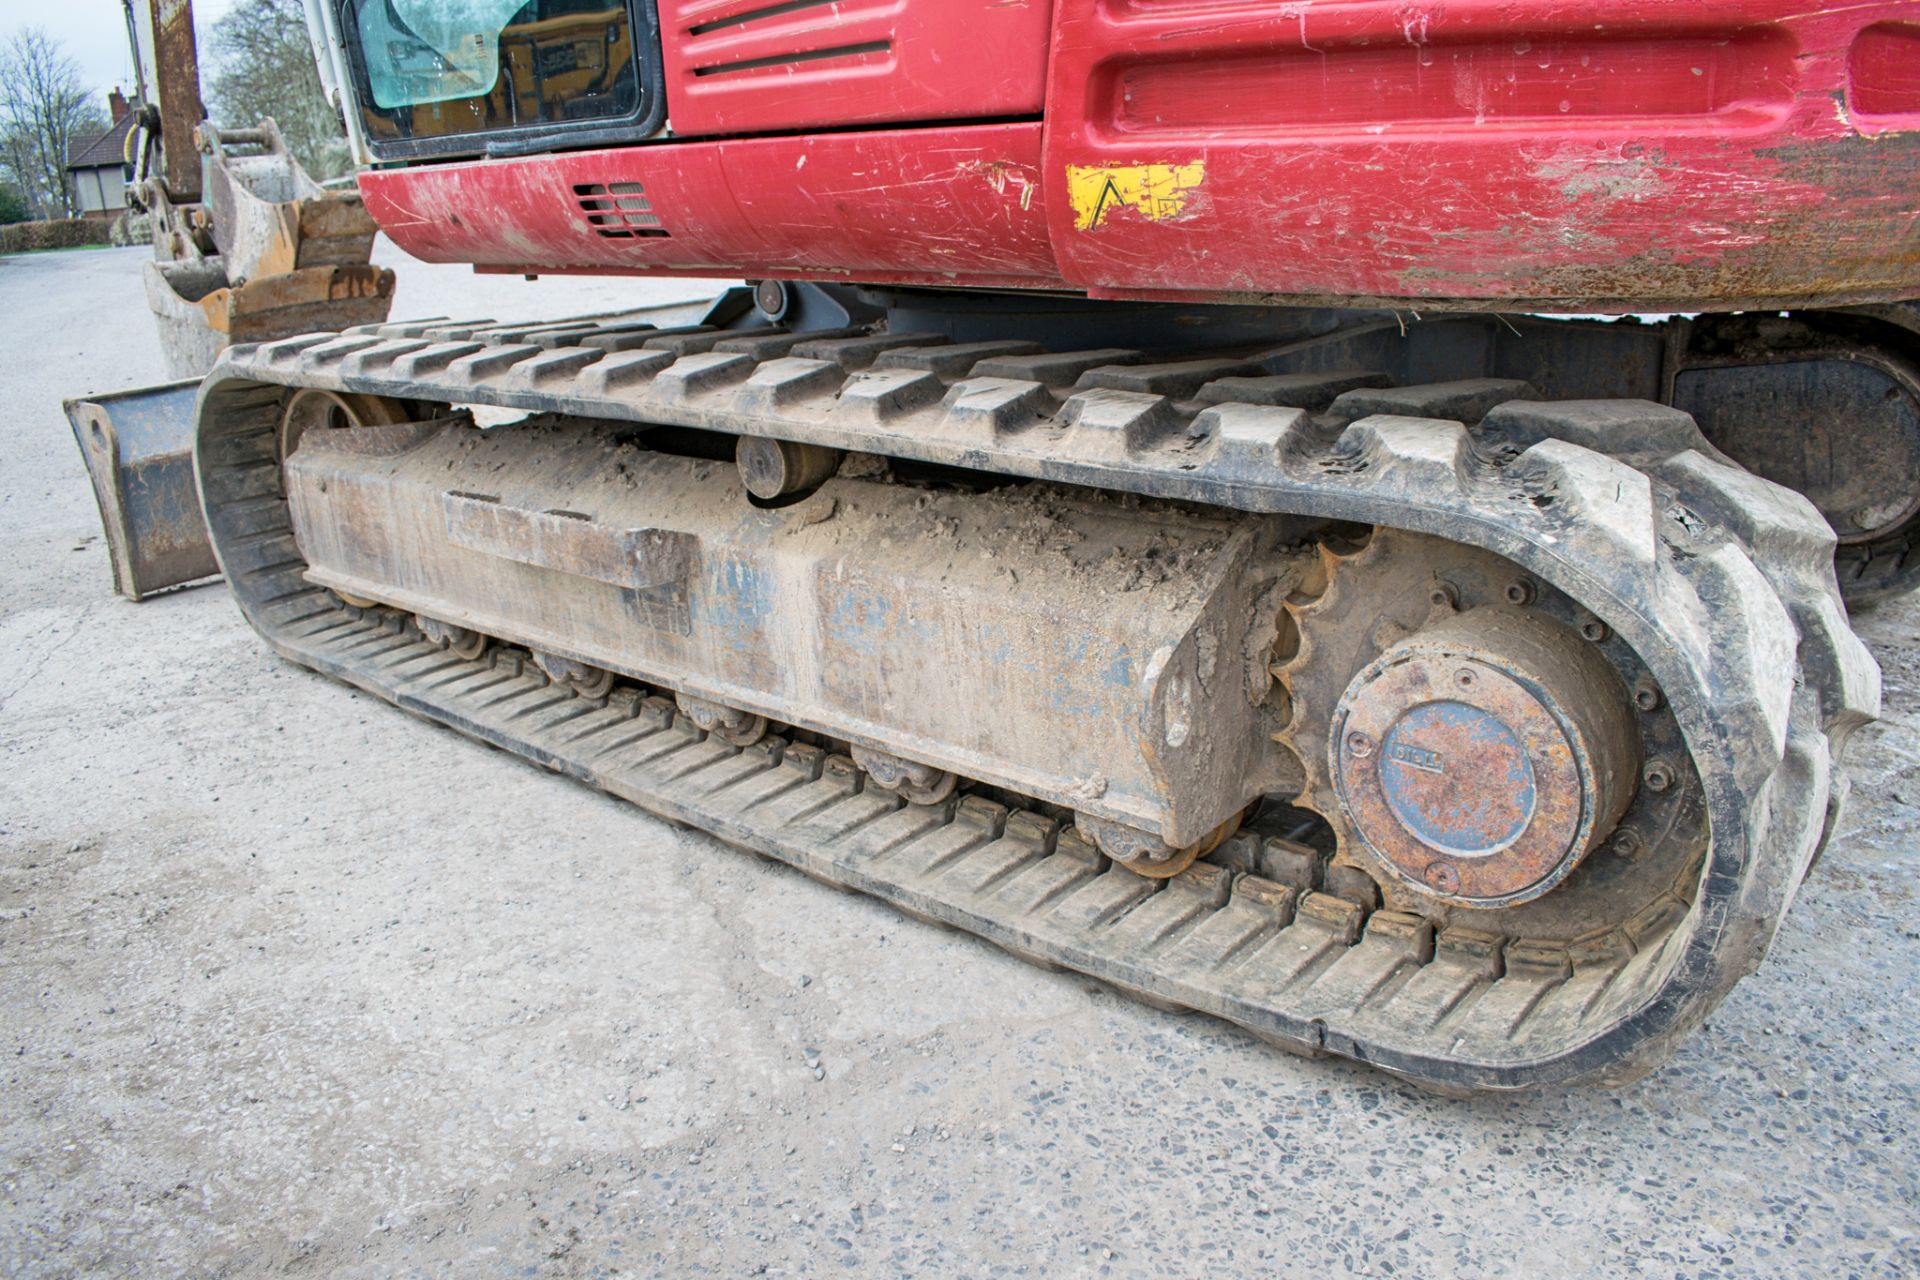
{"x":438,"y":78}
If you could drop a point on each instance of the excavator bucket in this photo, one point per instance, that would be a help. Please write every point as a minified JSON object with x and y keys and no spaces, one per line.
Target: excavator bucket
{"x":288,"y":256}
{"x":201,"y":313}
{"x":138,"y":447}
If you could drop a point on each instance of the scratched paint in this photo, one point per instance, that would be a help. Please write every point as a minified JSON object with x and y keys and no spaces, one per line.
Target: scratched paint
{"x":1458,"y":779}
{"x":1157,"y":192}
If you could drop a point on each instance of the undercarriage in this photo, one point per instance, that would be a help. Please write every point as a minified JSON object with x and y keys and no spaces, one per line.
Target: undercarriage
{"x":1472,"y":727}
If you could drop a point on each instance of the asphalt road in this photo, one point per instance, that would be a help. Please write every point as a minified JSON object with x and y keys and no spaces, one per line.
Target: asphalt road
{"x":292,"y":983}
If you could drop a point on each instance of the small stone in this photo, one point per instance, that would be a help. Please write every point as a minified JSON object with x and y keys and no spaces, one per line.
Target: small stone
{"x":805,"y":981}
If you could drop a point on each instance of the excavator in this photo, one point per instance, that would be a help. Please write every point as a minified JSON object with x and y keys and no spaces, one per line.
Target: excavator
{"x":1340,"y":516}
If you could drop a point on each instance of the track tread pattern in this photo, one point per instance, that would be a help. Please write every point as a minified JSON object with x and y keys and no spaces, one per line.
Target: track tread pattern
{"x":1723,"y":583}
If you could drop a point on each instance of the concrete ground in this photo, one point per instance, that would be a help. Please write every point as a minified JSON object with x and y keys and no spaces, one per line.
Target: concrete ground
{"x":292,"y":983}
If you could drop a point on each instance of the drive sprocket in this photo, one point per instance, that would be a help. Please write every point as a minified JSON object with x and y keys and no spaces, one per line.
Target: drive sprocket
{"x":1385,"y":612}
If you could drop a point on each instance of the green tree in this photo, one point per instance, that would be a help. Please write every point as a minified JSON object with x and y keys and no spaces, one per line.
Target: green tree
{"x":264,"y":67}
{"x":13,"y":205}
{"x":43,"y":110}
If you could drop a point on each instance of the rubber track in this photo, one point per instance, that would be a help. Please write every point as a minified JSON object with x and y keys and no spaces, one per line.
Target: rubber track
{"x":1721,"y":582}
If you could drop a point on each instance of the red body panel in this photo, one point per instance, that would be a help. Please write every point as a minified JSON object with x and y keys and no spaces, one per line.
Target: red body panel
{"x":1638,"y":152}
{"x":1641,"y":154}
{"x":957,"y":206}
{"x":759,"y":66}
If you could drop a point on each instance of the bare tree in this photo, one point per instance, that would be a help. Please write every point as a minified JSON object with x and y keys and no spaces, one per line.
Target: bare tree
{"x":43,"y":109}
{"x":266,"y":68}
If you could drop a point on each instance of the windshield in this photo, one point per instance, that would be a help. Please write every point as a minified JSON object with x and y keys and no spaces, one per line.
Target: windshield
{"x":435,"y":69}
{"x":433,"y":50}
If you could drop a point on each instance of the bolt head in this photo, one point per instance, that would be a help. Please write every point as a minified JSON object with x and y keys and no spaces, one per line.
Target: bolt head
{"x":1442,"y":877}
{"x":1359,"y":745}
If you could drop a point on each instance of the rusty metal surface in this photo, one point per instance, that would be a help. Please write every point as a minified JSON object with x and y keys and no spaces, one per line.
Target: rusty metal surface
{"x":268,"y":254}
{"x":199,"y":311}
{"x":1395,"y":602}
{"x":1483,"y":757}
{"x":177,"y":85}
{"x":138,"y":447}
{"x":269,"y":216}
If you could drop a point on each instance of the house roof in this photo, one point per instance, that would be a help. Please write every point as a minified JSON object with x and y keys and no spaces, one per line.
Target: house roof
{"x":101,"y":150}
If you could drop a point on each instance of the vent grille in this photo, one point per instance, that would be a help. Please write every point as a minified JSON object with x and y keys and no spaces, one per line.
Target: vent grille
{"x":796,"y":58}
{"x":618,"y":210}
{"x":789,"y":36}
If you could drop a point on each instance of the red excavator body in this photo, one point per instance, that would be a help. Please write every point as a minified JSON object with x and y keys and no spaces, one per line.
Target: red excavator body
{"x":1639,"y":155}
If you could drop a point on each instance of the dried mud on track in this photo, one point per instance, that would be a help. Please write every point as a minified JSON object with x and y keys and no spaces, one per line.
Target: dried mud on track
{"x":292,"y":983}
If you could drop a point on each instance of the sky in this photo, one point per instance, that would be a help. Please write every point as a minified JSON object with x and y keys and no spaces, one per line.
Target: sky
{"x":94,"y":34}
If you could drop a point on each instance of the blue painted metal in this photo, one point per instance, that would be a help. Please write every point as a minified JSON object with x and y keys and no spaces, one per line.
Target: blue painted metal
{"x":1466,"y":822}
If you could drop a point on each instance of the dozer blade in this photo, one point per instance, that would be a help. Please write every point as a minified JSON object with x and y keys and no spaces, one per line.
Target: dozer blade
{"x":138,"y":447}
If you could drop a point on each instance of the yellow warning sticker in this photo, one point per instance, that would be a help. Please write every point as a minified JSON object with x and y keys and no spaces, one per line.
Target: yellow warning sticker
{"x":1155,"y":191}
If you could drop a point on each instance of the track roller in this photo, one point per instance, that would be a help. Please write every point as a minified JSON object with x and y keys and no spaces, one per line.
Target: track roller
{"x":587,"y":681}
{"x":730,"y":724}
{"x":463,"y":641}
{"x":916,"y":783}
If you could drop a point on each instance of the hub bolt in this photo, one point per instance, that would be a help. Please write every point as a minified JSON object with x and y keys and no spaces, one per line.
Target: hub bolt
{"x":1443,"y":597}
{"x":1442,"y":877}
{"x":1658,"y":775}
{"x":1646,"y":695}
{"x":1360,"y":745}
{"x":1595,"y":630}
{"x":1464,"y":677}
{"x":1520,"y":591}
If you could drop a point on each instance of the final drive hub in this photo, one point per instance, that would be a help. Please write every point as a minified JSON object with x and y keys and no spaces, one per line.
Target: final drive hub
{"x":1482,"y":757}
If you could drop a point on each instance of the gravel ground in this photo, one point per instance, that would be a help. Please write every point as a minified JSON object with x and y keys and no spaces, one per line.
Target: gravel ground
{"x":291,"y":982}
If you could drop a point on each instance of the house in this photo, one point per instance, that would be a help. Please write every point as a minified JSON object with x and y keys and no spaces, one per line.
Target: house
{"x":97,"y":166}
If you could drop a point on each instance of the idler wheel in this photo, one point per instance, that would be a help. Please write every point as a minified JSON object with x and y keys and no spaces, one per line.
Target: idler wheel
{"x":1483,"y":757}
{"x":312,"y":407}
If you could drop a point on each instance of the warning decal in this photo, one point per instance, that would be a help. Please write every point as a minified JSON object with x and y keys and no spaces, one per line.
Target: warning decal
{"x":1155,"y":191}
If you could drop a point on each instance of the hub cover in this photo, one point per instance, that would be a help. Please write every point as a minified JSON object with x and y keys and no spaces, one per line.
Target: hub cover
{"x":1482,"y":757}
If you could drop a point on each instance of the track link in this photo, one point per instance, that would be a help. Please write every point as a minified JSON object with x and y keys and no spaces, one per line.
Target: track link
{"x":1721,"y":583}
